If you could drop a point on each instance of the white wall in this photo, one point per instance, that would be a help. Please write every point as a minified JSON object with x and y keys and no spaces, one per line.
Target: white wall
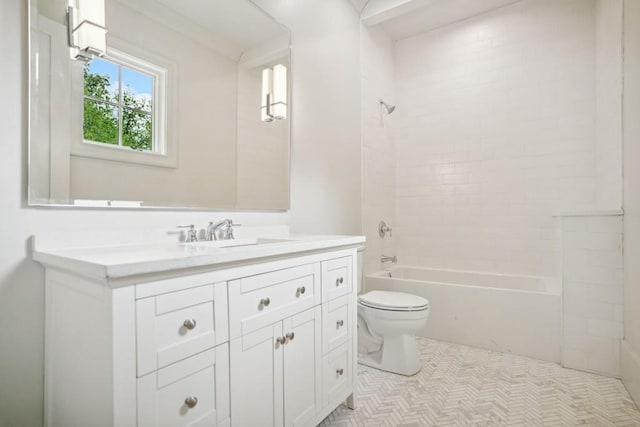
{"x":592,"y":294}
{"x":263,"y":147}
{"x":325,"y":152}
{"x":497,"y":134}
{"x":378,"y":151}
{"x":631,"y":134}
{"x":325,"y":177}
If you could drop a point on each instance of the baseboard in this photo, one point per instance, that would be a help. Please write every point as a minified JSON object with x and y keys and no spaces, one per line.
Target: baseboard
{"x":630,"y":370}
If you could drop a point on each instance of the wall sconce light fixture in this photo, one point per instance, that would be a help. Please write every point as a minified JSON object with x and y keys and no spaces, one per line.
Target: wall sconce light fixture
{"x":87,"y":38}
{"x":274,"y":93}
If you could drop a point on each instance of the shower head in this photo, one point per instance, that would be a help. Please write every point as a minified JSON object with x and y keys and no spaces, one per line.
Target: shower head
{"x":390,"y":108}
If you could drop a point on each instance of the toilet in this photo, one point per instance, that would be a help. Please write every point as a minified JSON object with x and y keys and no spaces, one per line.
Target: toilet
{"x":387,"y":326}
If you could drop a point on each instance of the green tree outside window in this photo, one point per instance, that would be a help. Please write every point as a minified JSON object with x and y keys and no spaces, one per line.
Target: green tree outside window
{"x":113,"y":119}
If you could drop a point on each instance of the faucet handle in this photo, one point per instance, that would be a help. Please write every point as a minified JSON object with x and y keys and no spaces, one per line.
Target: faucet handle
{"x":233,"y":224}
{"x":192,"y":235}
{"x":229,"y":230}
{"x":383,"y":229}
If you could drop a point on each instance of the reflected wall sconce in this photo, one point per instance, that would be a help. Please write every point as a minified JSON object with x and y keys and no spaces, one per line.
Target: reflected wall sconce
{"x":273,"y":104}
{"x":87,"y":38}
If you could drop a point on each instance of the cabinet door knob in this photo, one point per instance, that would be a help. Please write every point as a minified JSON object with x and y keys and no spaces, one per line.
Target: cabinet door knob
{"x":281,"y":340}
{"x":190,"y":324}
{"x":340,"y":371}
{"x":265,"y":302}
{"x":301,"y":290}
{"x":191,"y":401}
{"x":290,"y":336}
{"x":340,"y":323}
{"x":339,"y":281}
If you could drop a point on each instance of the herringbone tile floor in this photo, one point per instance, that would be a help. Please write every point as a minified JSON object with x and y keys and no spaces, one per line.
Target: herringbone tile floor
{"x":463,"y":386}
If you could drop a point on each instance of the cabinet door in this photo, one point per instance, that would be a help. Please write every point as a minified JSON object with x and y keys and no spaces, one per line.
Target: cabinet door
{"x":302,"y":367}
{"x":256,"y":378}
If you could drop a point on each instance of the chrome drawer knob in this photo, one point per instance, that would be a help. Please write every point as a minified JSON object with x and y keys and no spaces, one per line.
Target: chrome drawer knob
{"x":191,"y":401}
{"x":339,"y":281}
{"x":340,"y":323}
{"x":190,"y":324}
{"x":340,"y":371}
{"x":290,"y":336}
{"x":281,"y":340}
{"x":301,"y":290}
{"x":265,"y":302}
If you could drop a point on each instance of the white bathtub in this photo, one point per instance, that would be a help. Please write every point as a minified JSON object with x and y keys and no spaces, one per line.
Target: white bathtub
{"x":512,"y":314}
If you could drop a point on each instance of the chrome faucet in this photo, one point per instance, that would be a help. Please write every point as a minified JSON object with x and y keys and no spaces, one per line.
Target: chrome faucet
{"x":385,"y":258}
{"x":226,"y":225}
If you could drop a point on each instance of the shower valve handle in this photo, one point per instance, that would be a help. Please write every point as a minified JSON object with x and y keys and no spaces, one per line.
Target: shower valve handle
{"x":383,"y":229}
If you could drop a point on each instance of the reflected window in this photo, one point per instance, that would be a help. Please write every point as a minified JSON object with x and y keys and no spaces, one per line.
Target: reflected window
{"x":121,"y":97}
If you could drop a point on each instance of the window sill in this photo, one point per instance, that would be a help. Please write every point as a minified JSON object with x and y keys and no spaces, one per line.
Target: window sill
{"x":116,"y":154}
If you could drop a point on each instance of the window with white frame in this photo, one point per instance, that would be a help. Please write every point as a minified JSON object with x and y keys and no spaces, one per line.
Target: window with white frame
{"x":124,"y":103}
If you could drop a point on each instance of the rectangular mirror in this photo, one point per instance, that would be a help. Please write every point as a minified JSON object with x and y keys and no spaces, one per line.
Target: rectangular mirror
{"x":182,"y":104}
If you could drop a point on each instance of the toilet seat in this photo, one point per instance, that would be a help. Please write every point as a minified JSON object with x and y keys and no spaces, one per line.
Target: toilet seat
{"x":393,"y":301}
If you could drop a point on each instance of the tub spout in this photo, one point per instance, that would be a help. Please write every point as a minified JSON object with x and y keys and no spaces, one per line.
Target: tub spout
{"x":385,"y":258}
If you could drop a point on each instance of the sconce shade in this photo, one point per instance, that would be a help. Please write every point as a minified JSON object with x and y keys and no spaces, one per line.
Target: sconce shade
{"x":265,"y":103}
{"x":273,"y":104}
{"x":87,"y":32}
{"x":279,"y":92}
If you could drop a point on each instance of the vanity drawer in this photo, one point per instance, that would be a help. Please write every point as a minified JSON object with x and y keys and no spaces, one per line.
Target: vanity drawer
{"x":201,"y":381}
{"x":337,"y":319}
{"x":173,"y":326}
{"x":337,"y":277}
{"x":260,"y":300}
{"x":337,"y":373}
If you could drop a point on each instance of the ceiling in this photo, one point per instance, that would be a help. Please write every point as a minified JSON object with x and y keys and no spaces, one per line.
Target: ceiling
{"x":406,"y":18}
{"x":230,"y":27}
{"x":239,"y":21}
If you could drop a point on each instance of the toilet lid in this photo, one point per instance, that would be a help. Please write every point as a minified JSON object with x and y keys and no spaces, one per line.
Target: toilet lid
{"x":397,"y":301}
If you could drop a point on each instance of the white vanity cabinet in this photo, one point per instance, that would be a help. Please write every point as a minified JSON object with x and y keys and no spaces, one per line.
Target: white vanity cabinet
{"x":276,"y":373}
{"x":280,"y":370}
{"x":279,"y":363}
{"x":256,"y":342}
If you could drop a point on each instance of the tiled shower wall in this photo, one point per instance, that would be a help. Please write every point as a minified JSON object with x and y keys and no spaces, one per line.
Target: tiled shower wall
{"x":495,"y":133}
{"x":609,"y":104}
{"x":592,"y":293}
{"x":378,"y":152}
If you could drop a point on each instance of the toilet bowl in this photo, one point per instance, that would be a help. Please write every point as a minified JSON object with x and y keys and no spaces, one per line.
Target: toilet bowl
{"x":387,"y":325}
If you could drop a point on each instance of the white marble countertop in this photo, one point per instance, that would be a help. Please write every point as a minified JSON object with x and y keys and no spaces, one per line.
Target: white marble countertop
{"x":114,"y":262}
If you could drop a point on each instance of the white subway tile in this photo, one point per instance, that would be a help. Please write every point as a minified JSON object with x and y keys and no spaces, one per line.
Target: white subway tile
{"x":576,"y":359}
{"x":605,"y":329}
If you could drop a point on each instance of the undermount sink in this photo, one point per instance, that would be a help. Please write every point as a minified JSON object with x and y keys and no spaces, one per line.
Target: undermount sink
{"x":249,"y":241}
